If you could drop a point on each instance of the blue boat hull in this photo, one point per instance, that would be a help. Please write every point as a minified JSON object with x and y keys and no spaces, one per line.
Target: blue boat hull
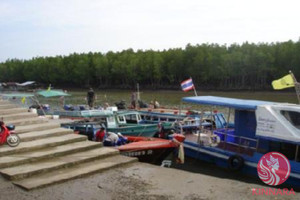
{"x":220,"y":158}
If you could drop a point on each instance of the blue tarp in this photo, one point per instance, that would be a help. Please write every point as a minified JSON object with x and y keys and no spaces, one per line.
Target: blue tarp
{"x":227,"y":102}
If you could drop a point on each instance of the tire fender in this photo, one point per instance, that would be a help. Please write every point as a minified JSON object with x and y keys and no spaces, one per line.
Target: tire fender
{"x":235,"y":162}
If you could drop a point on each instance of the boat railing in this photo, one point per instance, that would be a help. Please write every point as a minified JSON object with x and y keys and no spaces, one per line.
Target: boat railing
{"x":238,"y":141}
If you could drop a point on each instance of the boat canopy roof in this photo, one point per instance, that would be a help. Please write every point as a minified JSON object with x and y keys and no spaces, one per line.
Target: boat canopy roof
{"x":52,"y":93}
{"x":17,"y":95}
{"x":240,"y":104}
{"x":127,"y":112}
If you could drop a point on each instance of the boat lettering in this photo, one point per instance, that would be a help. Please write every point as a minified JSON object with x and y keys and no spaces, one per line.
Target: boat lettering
{"x":138,"y":153}
{"x":265,"y":125}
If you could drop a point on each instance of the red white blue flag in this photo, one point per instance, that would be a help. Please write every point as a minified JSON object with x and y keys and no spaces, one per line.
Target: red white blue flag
{"x":187,"y":85}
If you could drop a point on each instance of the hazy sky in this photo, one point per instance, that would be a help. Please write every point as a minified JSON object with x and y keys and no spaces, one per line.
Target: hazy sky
{"x":30,"y":28}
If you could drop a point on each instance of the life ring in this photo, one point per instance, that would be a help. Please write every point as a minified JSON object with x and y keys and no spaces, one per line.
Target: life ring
{"x":235,"y":162}
{"x":216,"y":141}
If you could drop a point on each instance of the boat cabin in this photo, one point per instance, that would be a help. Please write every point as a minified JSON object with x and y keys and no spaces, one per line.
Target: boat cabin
{"x":129,"y":117}
{"x":259,"y":126}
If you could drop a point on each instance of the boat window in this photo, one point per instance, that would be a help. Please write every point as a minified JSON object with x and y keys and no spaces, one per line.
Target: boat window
{"x":97,"y":126}
{"x":298,"y":154}
{"x":139,"y":117}
{"x":110,"y":119}
{"x":292,"y":116}
{"x":131,"y":118}
{"x":121,"y":119}
{"x":222,"y":119}
{"x":163,"y":119}
{"x":172,"y":120}
{"x":155,"y":118}
{"x":287,"y":149}
{"x":148,"y":118}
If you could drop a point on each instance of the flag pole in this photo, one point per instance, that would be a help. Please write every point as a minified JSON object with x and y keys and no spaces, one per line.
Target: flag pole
{"x":297,"y":86}
{"x":195,"y":91}
{"x":194,"y":88}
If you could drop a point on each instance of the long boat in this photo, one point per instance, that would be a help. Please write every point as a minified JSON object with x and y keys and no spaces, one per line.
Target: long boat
{"x":113,"y":122}
{"x":188,"y":119}
{"x":260,"y":127}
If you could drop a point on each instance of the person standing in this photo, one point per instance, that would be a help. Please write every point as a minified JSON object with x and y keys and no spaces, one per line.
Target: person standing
{"x":91,"y":98}
{"x":133,"y":100}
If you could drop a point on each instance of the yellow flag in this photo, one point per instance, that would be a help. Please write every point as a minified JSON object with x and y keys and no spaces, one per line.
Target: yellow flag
{"x":23,"y":100}
{"x":285,"y":82}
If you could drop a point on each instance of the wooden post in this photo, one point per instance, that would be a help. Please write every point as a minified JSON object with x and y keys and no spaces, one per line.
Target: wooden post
{"x":138,"y":91}
{"x":297,"y":86}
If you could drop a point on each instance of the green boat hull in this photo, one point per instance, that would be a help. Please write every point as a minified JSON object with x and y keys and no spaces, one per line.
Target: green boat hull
{"x":145,"y":130}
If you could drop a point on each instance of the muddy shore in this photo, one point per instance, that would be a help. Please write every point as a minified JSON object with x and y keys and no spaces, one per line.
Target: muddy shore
{"x":142,"y":181}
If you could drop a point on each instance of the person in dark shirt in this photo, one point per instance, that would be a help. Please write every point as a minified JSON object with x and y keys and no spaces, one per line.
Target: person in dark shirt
{"x":91,"y":98}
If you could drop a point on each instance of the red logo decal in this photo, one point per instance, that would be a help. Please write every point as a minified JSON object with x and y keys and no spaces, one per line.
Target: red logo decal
{"x":273,"y":168}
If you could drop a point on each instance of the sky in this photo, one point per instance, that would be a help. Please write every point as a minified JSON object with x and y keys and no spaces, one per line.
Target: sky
{"x":33,"y":28}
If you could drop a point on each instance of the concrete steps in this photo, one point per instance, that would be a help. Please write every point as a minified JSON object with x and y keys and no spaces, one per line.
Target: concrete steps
{"x":27,"y":121}
{"x":13,"y":111}
{"x":34,"y":135}
{"x":15,"y":116}
{"x":22,"y":158}
{"x":50,"y":154}
{"x":30,"y":169}
{"x":77,"y":171}
{"x":6,"y":106}
{"x":35,"y":127}
{"x":41,"y":143}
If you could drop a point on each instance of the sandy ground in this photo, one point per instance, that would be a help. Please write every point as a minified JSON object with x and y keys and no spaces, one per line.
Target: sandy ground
{"x":141,"y":181}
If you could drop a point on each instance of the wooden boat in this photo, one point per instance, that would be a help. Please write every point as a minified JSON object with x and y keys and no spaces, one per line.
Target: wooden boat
{"x":151,"y":150}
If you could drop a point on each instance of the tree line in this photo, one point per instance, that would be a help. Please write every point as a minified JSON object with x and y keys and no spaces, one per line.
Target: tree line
{"x":246,"y":66}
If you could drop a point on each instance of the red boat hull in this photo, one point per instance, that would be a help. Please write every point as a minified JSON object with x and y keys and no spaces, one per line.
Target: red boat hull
{"x":151,"y":150}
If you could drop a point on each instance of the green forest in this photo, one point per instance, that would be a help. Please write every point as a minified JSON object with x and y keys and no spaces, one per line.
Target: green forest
{"x":246,"y":66}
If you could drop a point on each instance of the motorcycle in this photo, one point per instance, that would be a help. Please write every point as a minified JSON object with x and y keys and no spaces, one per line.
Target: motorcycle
{"x":7,"y":135}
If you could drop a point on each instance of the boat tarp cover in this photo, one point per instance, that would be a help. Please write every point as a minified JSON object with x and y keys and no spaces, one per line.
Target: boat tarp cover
{"x":26,"y":83}
{"x":52,"y":93}
{"x":17,"y":95}
{"x":240,"y":104}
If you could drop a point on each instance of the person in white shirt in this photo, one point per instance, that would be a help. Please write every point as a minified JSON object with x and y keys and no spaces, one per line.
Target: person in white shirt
{"x":111,"y":139}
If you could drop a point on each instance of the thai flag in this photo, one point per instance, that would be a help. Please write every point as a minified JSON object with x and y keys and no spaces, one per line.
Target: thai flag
{"x":187,"y":85}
